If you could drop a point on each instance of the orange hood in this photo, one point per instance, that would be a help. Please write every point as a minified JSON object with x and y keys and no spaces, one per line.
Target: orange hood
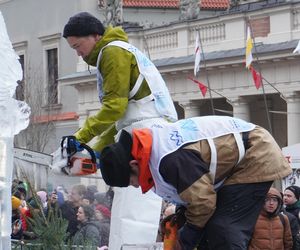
{"x":141,"y":151}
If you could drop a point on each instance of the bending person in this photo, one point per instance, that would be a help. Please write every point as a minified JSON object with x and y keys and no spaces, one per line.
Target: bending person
{"x":217,"y":168}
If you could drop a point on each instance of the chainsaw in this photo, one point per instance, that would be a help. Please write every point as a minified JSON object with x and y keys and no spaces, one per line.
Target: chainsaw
{"x":72,"y":158}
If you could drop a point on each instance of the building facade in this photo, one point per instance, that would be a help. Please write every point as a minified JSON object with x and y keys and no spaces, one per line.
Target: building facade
{"x":35,"y":29}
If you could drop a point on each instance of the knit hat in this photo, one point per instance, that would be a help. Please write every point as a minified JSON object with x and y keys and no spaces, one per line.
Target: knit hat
{"x":83,"y":24}
{"x":103,"y":210}
{"x":15,"y":202}
{"x":295,"y":190}
{"x":114,"y":161}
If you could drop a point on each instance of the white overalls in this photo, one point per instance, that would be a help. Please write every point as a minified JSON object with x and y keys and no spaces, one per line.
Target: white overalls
{"x":135,"y":216}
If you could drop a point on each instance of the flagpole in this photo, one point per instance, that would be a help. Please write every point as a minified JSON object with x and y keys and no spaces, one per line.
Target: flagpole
{"x":262,"y":85}
{"x":207,"y":79}
{"x":281,"y":95}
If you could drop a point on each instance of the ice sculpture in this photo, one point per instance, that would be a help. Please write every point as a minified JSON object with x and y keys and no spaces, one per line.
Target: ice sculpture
{"x":14,"y":117}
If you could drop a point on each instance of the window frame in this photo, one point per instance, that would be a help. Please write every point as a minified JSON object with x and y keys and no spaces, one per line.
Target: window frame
{"x":50,"y":42}
{"x":21,"y":50}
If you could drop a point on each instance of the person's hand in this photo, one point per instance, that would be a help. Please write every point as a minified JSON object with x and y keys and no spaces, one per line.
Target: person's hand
{"x":59,"y":162}
{"x":53,"y":197}
{"x":16,"y":227}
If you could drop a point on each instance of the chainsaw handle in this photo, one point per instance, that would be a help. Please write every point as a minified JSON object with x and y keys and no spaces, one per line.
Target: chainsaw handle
{"x":74,"y":146}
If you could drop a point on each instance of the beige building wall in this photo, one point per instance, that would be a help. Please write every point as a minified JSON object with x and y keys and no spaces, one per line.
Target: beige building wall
{"x":223,"y":37}
{"x":171,"y":47}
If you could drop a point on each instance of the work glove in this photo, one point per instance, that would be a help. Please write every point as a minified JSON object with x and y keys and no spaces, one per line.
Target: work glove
{"x":59,"y":162}
{"x":61,"y":157}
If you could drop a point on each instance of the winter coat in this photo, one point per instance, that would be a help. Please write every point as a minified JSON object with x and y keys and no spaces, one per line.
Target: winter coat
{"x":104,"y":228}
{"x":271,"y":234}
{"x":69,"y":212}
{"x":120,"y":71}
{"x":88,"y":234}
{"x":294,"y":229}
{"x":263,"y":162}
{"x":294,"y":209}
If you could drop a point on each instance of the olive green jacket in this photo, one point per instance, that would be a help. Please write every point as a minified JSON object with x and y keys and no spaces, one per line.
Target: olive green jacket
{"x":120,"y":71}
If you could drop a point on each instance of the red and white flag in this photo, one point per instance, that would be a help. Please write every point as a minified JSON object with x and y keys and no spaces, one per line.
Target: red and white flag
{"x":257,"y":78}
{"x":197,"y":54}
{"x":201,"y":86}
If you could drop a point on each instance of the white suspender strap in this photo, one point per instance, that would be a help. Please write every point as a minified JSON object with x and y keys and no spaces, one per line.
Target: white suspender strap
{"x":213,"y":158}
{"x":240,"y":145}
{"x":136,"y":86}
{"x":98,"y":58}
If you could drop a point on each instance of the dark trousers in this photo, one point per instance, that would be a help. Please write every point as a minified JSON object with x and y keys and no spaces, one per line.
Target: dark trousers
{"x":232,"y":224}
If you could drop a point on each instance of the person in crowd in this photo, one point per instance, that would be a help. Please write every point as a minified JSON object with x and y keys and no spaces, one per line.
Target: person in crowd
{"x":88,"y":233}
{"x":103,"y":214}
{"x":291,"y":201}
{"x":19,"y":190}
{"x":44,"y":199}
{"x":217,"y":168}
{"x":272,"y":229}
{"x":92,"y":189}
{"x":88,"y":198}
{"x":295,"y":229}
{"x":69,"y":208}
{"x":17,"y":231}
{"x":104,"y":198}
{"x":61,"y":189}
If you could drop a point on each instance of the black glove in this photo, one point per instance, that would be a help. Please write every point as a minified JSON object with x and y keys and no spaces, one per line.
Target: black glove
{"x":178,"y":218}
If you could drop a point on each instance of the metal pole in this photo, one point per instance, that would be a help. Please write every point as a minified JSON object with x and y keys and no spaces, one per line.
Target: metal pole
{"x":262,"y":85}
{"x":207,"y":79}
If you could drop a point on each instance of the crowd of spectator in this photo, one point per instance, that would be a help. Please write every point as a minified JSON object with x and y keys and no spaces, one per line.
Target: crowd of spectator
{"x":86,"y":210}
{"x":88,"y":214}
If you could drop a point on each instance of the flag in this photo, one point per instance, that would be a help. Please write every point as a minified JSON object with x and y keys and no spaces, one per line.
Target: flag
{"x":249,"y":46}
{"x":201,"y":86}
{"x":297,"y":49}
{"x":197,"y":54}
{"x":256,"y":78}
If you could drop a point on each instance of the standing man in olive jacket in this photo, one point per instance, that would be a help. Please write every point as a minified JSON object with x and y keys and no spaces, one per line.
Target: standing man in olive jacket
{"x":130,"y":89}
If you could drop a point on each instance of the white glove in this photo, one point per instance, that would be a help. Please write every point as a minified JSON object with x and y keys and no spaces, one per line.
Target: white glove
{"x":59,"y":162}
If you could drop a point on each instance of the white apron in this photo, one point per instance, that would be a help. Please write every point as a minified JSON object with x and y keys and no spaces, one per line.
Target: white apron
{"x":135,"y":216}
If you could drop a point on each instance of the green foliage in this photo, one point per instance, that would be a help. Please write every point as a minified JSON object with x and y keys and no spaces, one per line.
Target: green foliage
{"x":50,"y":229}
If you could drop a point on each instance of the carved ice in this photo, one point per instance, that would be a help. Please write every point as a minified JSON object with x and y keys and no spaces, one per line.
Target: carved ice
{"x":14,"y":117}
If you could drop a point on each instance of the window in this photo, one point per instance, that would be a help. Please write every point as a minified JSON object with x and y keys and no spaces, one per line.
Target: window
{"x":20,"y":90}
{"x":21,"y":49}
{"x":52,"y":76}
{"x":50,"y":45}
